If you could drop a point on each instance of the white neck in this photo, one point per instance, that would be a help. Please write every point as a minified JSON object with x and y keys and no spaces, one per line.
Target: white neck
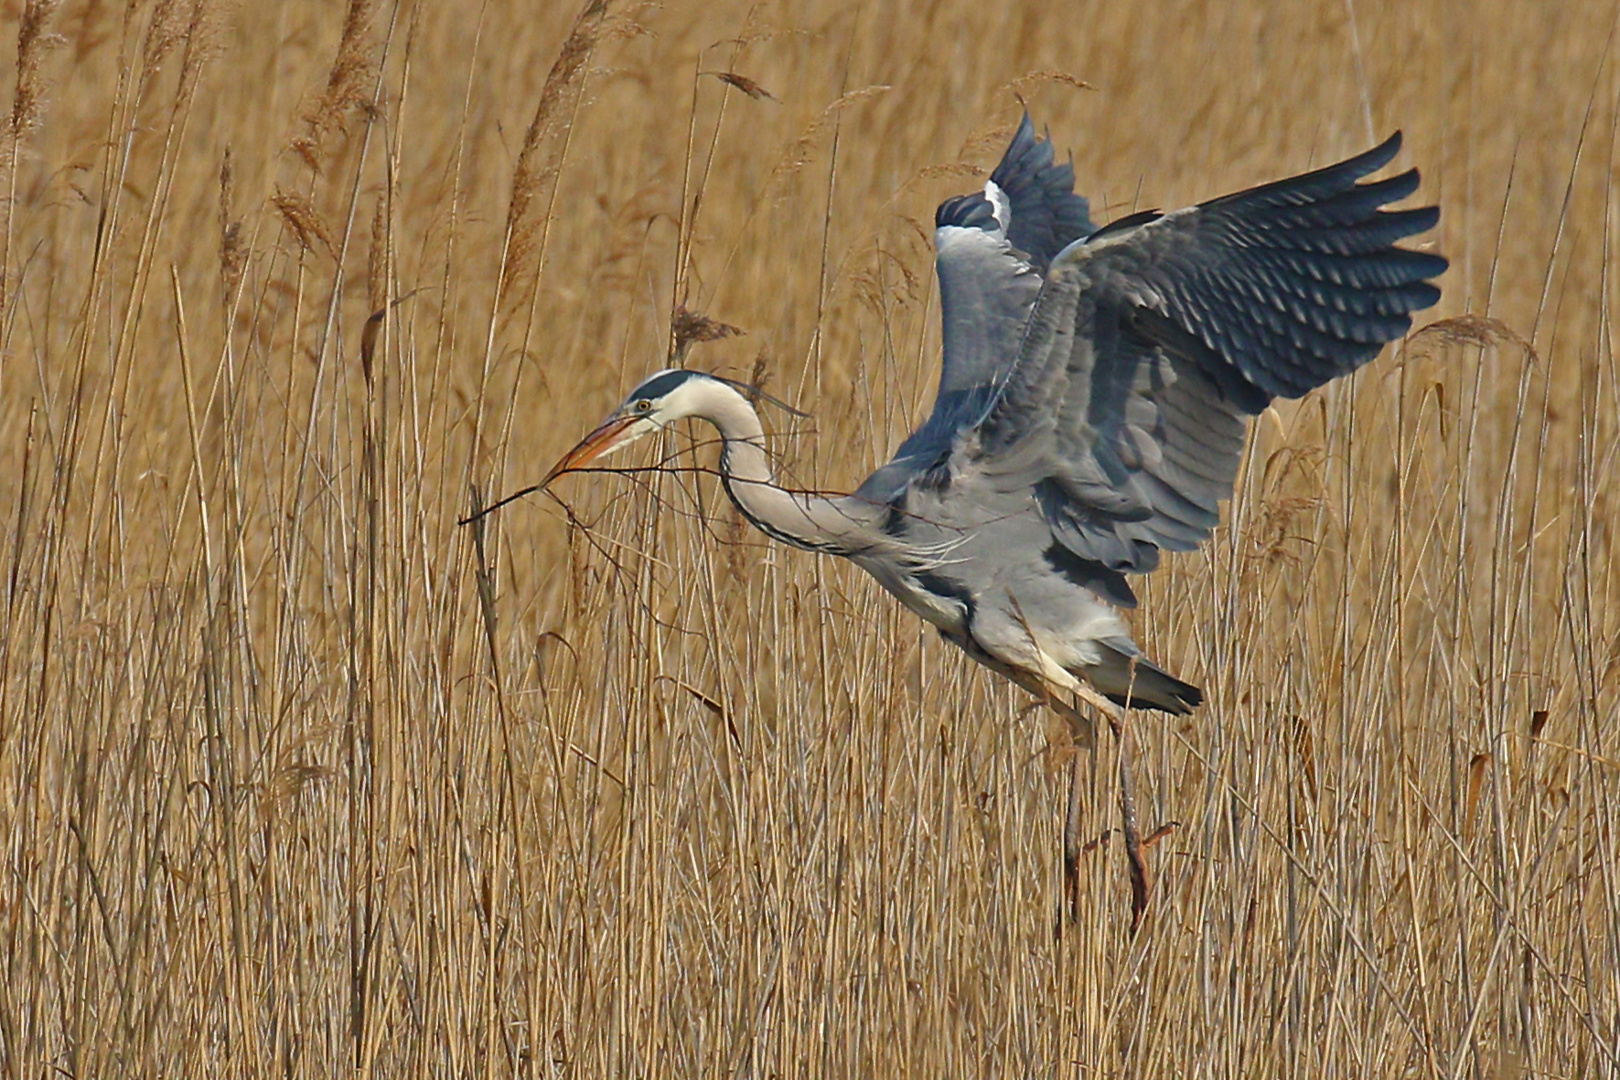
{"x":836,"y":524}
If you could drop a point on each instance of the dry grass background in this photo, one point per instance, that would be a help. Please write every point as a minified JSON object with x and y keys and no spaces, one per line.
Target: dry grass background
{"x":272,"y":800}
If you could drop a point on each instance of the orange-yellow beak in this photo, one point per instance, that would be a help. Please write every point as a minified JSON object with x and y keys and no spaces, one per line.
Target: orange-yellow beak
{"x":610,"y":434}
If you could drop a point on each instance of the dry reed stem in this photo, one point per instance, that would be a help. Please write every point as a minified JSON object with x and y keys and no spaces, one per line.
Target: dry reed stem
{"x":801,"y":151}
{"x":34,"y":43}
{"x":533,"y":170}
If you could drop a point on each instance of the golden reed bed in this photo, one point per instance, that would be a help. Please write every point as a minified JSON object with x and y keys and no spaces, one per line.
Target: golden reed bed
{"x":288,"y":788}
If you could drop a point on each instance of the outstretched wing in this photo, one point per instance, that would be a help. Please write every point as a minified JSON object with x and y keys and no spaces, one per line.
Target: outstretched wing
{"x":994,"y":248}
{"x":1155,"y":338}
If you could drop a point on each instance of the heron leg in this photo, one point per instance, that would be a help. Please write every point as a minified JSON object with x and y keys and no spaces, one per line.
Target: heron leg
{"x":1071,"y":842}
{"x":1127,"y":807}
{"x":1083,"y":731}
{"x":1072,"y":846}
{"x":1083,"y":734}
{"x":1137,"y":864}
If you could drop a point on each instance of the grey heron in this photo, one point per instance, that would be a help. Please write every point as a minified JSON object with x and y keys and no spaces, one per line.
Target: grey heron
{"x":1093,"y":401}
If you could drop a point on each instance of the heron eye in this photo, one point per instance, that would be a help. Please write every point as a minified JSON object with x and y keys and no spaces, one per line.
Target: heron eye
{"x":643,"y":405}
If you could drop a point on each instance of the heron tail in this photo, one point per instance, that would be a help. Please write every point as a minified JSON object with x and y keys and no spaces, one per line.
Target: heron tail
{"x":1126,"y":677}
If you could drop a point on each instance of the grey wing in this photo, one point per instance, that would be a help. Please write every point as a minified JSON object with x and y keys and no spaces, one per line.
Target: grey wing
{"x":1157,"y":337}
{"x":993,"y":248}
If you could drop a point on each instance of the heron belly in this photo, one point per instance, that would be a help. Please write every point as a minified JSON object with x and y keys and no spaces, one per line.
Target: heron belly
{"x":1030,"y":622}
{"x":941,"y":600}
{"x":1037,"y":629}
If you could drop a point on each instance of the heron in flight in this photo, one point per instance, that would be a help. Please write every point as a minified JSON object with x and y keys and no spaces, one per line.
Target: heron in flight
{"x":1093,"y":399}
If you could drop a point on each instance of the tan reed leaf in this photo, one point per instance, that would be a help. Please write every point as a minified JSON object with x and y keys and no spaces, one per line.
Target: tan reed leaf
{"x":1476,"y":781}
{"x":745,"y":84}
{"x":1538,"y":723}
{"x":1160,"y":833}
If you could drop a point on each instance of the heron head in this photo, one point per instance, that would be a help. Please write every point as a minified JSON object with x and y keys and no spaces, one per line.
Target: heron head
{"x":660,"y":400}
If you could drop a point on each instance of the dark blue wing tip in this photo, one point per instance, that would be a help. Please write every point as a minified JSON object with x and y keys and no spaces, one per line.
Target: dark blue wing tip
{"x":1025,"y":157}
{"x":1362,"y":164}
{"x":1046,"y":213}
{"x":1428,"y":293}
{"x":1026,"y":128}
{"x":1392,"y":189}
{"x":1384,"y":152}
{"x":1366,"y":162}
{"x":1335,"y":179}
{"x":1419,"y":219}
